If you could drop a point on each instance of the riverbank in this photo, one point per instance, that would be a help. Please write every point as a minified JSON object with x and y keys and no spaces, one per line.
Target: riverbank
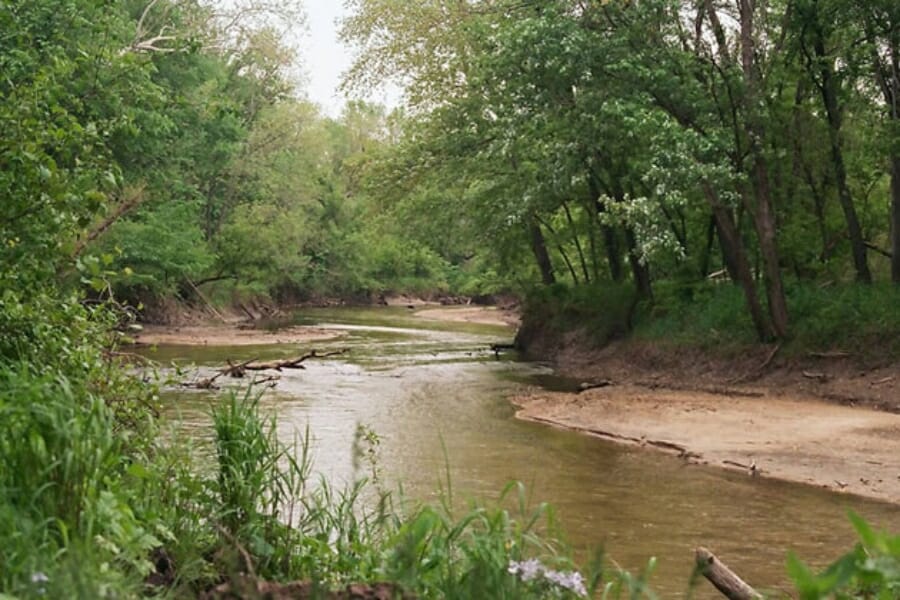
{"x":233,"y":332}
{"x":824,"y":420}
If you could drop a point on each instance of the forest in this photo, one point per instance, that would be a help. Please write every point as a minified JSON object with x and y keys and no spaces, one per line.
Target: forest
{"x":645,"y":152}
{"x":721,"y":173}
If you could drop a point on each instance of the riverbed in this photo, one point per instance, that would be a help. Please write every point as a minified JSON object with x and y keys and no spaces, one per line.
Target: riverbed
{"x":438,"y":399}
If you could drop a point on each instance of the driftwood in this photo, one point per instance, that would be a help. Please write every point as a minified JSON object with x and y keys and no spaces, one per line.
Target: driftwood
{"x":592,"y":385}
{"x":277,"y":365}
{"x":830,"y":354}
{"x":239,"y":370}
{"x":723,"y":578}
{"x":751,"y":469}
{"x":822,"y":377}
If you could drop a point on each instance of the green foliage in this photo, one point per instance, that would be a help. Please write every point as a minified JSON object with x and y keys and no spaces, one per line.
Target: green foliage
{"x":870,"y":570}
{"x":64,"y":504}
{"x":161,"y":247}
{"x":292,"y":530}
{"x":705,"y":315}
{"x":847,"y":317}
{"x":852,"y":318}
{"x":257,"y":497}
{"x":601,"y":312}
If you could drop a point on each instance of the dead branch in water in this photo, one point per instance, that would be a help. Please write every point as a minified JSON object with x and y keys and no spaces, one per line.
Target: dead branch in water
{"x":239,"y":370}
{"x":278,"y":365}
{"x":724,"y":579}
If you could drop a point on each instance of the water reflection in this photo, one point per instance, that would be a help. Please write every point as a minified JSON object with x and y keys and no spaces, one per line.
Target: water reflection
{"x":436,"y":396}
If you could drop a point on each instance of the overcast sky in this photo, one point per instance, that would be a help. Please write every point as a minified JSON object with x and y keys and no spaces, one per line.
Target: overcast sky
{"x":325,"y":58}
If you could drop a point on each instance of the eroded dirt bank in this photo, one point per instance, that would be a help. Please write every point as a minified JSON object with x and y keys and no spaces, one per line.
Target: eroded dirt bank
{"x":824,"y":420}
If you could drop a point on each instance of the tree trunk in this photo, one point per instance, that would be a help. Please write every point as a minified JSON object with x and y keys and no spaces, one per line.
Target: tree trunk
{"x":581,"y":257}
{"x":894,"y":107}
{"x":730,"y":240}
{"x":764,"y":217}
{"x":562,"y":251}
{"x":895,"y":219}
{"x":539,"y":247}
{"x":610,"y":240}
{"x":728,"y":250}
{"x":887,"y":76}
{"x":592,"y":240}
{"x":707,"y":248}
{"x":639,"y":269}
{"x":828,"y":89}
{"x":765,"y":228}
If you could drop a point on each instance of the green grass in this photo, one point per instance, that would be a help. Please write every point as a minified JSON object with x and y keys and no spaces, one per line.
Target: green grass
{"x":855,"y":318}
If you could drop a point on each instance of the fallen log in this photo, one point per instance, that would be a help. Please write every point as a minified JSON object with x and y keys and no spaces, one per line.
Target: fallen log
{"x":724,"y":579}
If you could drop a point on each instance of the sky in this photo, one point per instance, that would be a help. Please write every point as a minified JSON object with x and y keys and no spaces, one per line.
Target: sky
{"x":325,"y":59}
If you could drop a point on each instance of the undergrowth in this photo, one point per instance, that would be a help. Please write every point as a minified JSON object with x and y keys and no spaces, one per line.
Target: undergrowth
{"x":853,"y":318}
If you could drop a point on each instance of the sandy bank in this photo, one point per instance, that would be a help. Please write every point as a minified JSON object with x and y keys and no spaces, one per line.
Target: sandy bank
{"x":485,"y":315}
{"x":851,"y":450}
{"x":237,"y":334}
{"x":232,"y":335}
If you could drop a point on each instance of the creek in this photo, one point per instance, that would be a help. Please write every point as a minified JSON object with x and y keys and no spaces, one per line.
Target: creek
{"x":437,"y":398}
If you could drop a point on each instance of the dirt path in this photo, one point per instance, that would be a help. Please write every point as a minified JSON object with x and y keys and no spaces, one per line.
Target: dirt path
{"x":852,"y":450}
{"x":232,"y":335}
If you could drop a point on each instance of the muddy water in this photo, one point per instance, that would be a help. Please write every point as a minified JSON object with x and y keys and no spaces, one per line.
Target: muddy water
{"x":437,"y":398}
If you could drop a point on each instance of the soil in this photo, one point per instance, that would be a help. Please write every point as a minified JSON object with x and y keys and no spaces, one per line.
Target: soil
{"x":231,"y":335}
{"x":828,"y":420}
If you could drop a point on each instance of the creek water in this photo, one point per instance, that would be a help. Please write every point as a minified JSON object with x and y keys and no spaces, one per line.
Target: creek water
{"x":437,"y":397}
